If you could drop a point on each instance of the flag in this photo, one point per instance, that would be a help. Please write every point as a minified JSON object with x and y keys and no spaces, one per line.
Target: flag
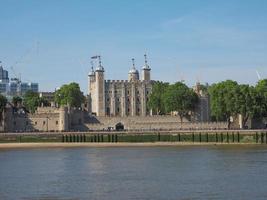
{"x":94,"y":57}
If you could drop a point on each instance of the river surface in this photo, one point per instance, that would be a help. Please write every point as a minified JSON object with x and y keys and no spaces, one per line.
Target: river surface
{"x":112,"y":173}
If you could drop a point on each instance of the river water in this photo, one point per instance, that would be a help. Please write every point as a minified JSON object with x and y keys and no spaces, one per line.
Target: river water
{"x":112,"y":173}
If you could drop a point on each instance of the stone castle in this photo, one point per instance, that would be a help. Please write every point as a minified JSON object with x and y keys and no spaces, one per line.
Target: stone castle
{"x":119,"y":98}
{"x":112,"y":104}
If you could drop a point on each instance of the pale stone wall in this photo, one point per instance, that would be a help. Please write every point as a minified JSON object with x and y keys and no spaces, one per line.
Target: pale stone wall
{"x":150,"y":123}
{"x":146,"y":74}
{"x":100,"y":93}
{"x":124,"y":98}
{"x":40,"y":122}
{"x":92,"y":94}
{"x":119,"y":98}
{"x":44,"y":119}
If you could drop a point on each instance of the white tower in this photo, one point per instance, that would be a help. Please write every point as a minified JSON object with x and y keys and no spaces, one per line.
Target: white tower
{"x":100,"y":89}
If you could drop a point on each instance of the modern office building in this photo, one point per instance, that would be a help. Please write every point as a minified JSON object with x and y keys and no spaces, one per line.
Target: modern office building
{"x":14,"y":86}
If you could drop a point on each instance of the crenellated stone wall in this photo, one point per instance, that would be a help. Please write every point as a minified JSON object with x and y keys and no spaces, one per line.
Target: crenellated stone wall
{"x":150,"y":123}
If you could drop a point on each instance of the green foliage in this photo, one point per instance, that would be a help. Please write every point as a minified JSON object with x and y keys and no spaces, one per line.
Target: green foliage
{"x":3,"y":102}
{"x":230,"y":99}
{"x":31,"y":101}
{"x":43,"y":102}
{"x":261,"y":89}
{"x":180,"y":98}
{"x":248,"y":102}
{"x":156,"y":98}
{"x":16,"y":100}
{"x":223,"y":99}
{"x":69,"y":94}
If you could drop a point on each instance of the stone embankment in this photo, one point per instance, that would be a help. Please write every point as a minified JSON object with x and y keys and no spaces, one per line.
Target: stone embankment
{"x":177,"y":137}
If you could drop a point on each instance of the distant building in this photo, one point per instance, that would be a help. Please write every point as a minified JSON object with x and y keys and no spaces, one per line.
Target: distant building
{"x":14,"y":86}
{"x":202,"y":112}
{"x":124,"y":98}
{"x":119,"y":97}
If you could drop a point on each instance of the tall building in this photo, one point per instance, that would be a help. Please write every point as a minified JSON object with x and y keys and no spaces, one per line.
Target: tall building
{"x":4,"y":80}
{"x":14,"y":87}
{"x":119,"y":97}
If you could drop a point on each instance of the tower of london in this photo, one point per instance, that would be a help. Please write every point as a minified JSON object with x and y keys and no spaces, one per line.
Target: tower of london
{"x":119,"y":97}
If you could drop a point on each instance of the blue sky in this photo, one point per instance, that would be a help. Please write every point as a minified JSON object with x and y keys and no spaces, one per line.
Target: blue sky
{"x":51,"y":41}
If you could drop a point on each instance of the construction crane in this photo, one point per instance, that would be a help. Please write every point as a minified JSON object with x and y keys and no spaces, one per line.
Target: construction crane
{"x":18,"y":75}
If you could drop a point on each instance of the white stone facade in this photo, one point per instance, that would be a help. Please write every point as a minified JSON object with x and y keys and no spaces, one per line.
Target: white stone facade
{"x":119,"y":97}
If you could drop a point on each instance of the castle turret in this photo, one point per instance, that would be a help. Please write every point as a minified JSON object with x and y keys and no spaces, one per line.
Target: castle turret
{"x":99,"y":90}
{"x":133,"y":74}
{"x":91,"y":79}
{"x":146,"y":71}
{"x":63,"y":119}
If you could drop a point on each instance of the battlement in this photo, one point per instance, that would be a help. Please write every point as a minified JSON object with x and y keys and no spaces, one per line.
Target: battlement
{"x":124,"y":81}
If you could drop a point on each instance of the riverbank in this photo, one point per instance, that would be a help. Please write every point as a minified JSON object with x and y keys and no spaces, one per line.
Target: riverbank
{"x":133,"y":139}
{"x":147,"y":144}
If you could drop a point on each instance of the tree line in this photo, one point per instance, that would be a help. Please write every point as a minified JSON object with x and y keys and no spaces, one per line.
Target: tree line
{"x":68,"y":94}
{"x":166,"y":98}
{"x":227,"y":99}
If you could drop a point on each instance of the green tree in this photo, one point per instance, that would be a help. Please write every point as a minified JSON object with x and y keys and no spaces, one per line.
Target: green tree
{"x":69,"y":94}
{"x":31,"y":101}
{"x":261,"y":89}
{"x":3,"y":101}
{"x":16,"y":100}
{"x":223,"y":99}
{"x":156,"y":98}
{"x":180,"y":98}
{"x":248,"y":103}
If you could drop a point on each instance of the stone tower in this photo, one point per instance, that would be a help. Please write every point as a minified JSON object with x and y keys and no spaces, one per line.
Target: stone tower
{"x":133,"y":74}
{"x":63,"y":119}
{"x":99,"y":97}
{"x":91,"y":90}
{"x":146,"y":71}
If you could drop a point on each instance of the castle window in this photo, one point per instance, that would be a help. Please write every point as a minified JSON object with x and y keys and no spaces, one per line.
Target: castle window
{"x":56,"y":122}
{"x":35,"y":123}
{"x":27,"y":123}
{"x":128,"y":99}
{"x":118,"y":109}
{"x":147,"y":92}
{"x":118,"y":99}
{"x":128,"y":109}
{"x":138,"y":110}
{"x":137,"y":92}
{"x":43,"y":122}
{"x":128,"y":92}
{"x":107,"y":99}
{"x":14,"y":123}
{"x":138,"y":100}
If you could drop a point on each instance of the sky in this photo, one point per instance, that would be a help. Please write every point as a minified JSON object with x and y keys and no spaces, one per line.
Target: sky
{"x":51,"y":42}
